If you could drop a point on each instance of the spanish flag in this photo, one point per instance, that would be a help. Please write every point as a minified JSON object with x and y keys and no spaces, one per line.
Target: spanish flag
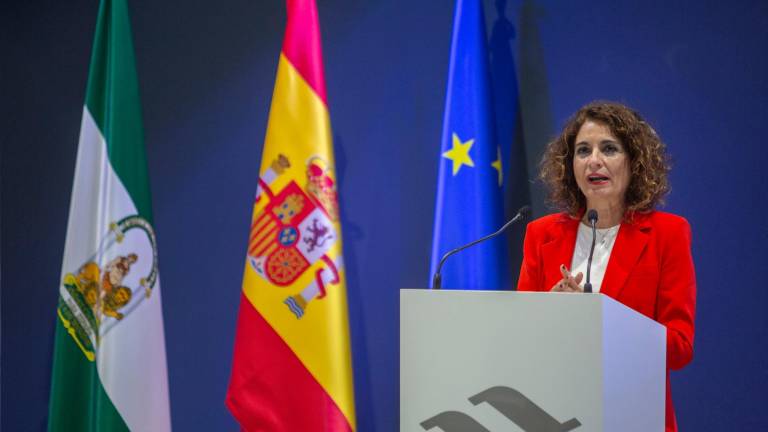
{"x":292,"y":367}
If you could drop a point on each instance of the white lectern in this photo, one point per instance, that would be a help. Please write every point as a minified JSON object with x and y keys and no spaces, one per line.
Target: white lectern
{"x":492,"y":361}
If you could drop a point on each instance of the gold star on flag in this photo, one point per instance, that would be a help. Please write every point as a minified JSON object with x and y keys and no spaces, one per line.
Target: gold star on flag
{"x":497,"y":164}
{"x":459,"y":153}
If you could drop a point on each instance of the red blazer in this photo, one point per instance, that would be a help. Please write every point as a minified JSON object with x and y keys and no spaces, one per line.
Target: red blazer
{"x":650,"y":270}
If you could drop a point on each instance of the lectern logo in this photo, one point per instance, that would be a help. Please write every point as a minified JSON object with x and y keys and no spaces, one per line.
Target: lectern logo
{"x":512,"y":404}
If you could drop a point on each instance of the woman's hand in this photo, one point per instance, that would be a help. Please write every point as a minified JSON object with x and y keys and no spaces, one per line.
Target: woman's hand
{"x":568,"y":283}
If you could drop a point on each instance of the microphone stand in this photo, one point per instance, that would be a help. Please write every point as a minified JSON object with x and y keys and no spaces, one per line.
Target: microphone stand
{"x":437,"y":279}
{"x":592,"y":217}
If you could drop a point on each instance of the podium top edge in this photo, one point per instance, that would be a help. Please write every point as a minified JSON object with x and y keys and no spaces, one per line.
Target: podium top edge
{"x":500,"y":291}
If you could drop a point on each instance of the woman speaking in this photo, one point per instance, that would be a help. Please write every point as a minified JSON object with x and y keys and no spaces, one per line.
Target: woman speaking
{"x":608,"y":159}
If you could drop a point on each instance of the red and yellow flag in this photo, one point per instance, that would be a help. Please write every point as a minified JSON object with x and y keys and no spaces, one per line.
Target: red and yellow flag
{"x":292,"y":367}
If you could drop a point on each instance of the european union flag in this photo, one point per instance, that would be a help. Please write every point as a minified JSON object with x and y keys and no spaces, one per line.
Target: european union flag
{"x":469,"y":191}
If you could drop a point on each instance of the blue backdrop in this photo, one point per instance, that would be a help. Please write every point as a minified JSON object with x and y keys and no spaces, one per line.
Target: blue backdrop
{"x":696,"y":70}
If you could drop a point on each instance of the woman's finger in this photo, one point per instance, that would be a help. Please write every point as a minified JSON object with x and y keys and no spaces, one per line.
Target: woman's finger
{"x":573,"y":284}
{"x":579,"y":278}
{"x":559,"y":287}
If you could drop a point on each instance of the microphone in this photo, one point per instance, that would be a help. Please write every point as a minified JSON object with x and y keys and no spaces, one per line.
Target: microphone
{"x":437,"y":278}
{"x":592,"y":218}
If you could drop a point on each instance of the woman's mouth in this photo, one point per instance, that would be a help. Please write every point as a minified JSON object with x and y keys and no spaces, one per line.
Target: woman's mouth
{"x":597,"y":179}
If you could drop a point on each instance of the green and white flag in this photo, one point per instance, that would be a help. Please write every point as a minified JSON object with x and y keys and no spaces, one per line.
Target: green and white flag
{"x":109,"y":370}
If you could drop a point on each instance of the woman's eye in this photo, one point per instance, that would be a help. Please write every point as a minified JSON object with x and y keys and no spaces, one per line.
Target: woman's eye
{"x":582,"y":151}
{"x":610,"y":149}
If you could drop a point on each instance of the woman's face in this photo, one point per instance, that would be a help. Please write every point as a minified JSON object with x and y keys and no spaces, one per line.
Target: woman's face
{"x":601,"y":165}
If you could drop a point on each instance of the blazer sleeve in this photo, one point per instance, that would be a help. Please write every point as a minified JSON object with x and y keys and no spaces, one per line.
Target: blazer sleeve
{"x":676,"y":298}
{"x":530,"y":271}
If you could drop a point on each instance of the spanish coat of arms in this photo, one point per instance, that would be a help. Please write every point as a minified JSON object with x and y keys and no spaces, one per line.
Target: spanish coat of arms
{"x":295,"y":230}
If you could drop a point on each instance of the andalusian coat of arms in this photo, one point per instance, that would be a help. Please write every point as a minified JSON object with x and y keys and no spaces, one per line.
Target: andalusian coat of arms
{"x":110,"y":284}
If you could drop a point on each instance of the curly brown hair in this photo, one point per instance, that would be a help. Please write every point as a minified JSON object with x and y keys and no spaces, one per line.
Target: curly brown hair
{"x":648,"y":160}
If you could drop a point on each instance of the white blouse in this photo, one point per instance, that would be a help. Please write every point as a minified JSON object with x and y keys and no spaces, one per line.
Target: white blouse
{"x":606,"y":237}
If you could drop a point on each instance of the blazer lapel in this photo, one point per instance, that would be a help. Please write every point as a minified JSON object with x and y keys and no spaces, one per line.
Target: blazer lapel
{"x":626,"y":252}
{"x":559,"y":250}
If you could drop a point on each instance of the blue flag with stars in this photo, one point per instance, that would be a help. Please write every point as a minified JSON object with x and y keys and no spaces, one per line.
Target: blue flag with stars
{"x":469,"y":191}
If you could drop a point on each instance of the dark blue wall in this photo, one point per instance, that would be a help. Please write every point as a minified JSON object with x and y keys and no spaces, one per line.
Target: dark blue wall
{"x":697,"y":70}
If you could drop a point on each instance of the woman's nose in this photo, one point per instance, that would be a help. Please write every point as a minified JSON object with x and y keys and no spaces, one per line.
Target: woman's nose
{"x":595,"y":159}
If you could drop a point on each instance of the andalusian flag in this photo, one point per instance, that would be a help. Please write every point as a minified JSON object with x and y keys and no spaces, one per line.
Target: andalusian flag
{"x":292,"y":367}
{"x":109,"y":371}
